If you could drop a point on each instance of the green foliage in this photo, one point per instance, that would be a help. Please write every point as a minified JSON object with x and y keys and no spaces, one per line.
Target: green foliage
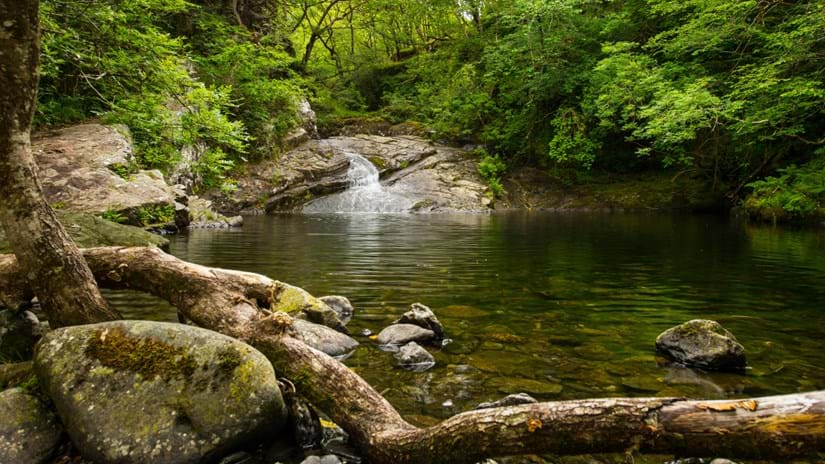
{"x":114,"y":216}
{"x":797,"y":194}
{"x":155,"y":214}
{"x":492,"y":168}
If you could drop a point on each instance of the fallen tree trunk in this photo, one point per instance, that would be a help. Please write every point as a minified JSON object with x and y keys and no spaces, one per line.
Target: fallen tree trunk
{"x":236,"y":304}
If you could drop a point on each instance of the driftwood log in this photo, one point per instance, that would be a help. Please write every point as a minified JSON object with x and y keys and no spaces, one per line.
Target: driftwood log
{"x":236,"y":304}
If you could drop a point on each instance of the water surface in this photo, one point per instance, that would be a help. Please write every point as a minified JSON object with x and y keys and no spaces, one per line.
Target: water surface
{"x":561,"y":306}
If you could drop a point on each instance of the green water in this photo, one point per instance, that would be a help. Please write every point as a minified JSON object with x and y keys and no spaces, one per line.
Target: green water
{"x":561,"y":306}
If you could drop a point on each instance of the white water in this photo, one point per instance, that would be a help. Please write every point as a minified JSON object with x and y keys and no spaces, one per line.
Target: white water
{"x":365,"y":193}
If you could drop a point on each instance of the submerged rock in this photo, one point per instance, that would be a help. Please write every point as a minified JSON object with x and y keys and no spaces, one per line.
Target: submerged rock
{"x":415,"y":358}
{"x":18,"y":334}
{"x":422,"y":316}
{"x":509,"y":400}
{"x":29,"y":432}
{"x":401,"y":334}
{"x":324,"y":339}
{"x":704,"y":344}
{"x":151,"y":392}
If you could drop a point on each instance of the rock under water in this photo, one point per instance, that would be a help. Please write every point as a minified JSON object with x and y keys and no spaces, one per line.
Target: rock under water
{"x":704,"y":344}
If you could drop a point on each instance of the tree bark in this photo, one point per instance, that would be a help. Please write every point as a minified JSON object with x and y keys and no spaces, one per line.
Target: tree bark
{"x":235,"y":303}
{"x":54,"y":266}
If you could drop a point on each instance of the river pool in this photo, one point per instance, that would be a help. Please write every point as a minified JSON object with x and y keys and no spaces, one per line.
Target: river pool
{"x":560,"y":306}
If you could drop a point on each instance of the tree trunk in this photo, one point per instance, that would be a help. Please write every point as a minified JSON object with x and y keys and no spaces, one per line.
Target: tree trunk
{"x":234,"y":303}
{"x":54,"y":266}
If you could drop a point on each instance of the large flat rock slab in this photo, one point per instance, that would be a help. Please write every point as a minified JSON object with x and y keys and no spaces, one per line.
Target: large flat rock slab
{"x":77,"y":165}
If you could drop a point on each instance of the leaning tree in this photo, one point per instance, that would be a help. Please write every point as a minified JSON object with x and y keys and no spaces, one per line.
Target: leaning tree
{"x":54,"y":266}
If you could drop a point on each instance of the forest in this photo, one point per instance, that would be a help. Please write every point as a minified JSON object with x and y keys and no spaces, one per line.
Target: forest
{"x":728,"y":92}
{"x":412,"y":232}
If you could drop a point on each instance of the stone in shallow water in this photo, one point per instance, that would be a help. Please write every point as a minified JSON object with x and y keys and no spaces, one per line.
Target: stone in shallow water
{"x":29,"y":433}
{"x":401,"y":334}
{"x":341,"y":305}
{"x":324,"y":339}
{"x":415,"y":358}
{"x":704,"y":344}
{"x":424,"y":317}
{"x":151,"y":392}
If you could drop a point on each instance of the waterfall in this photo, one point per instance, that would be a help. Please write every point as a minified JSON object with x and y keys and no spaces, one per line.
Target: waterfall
{"x":364,"y":193}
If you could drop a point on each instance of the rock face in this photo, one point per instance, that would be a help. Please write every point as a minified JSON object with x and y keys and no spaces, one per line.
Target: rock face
{"x":29,"y":432}
{"x":415,"y":358}
{"x":78,"y":165}
{"x":18,"y":334}
{"x":324,"y":339}
{"x":422,"y":316}
{"x":704,"y":344}
{"x":88,"y":231}
{"x":150,"y":392}
{"x":443,"y":178}
{"x":401,"y":334}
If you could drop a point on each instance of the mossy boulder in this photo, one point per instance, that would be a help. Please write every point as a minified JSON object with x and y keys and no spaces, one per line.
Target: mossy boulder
{"x":324,"y":339}
{"x":29,"y":432}
{"x":88,"y":230}
{"x":151,"y":392}
{"x":704,"y":344}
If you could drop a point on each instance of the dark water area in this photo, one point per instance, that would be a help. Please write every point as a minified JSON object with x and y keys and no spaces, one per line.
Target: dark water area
{"x":561,"y":306}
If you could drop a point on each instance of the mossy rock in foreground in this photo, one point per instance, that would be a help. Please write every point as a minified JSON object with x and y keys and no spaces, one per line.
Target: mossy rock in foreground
{"x":29,"y":432}
{"x":135,"y":391}
{"x":88,"y":231}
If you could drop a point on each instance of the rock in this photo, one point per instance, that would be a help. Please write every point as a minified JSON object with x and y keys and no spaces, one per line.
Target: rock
{"x":152,"y":392}
{"x":330,"y":459}
{"x":18,"y":334}
{"x":29,"y":432}
{"x":90,"y":231}
{"x":312,"y":460}
{"x":16,"y":374}
{"x":299,"y":303}
{"x":722,"y":461}
{"x":85,"y":168}
{"x":341,"y":305}
{"x":203,"y":216}
{"x":304,"y":423}
{"x":401,"y":334}
{"x":422,"y":316}
{"x":704,"y":344}
{"x":509,"y":400}
{"x":324,"y":339}
{"x":415,"y":358}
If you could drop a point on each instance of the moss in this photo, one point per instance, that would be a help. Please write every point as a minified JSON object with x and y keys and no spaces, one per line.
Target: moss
{"x":378,"y":161}
{"x":116,"y":349}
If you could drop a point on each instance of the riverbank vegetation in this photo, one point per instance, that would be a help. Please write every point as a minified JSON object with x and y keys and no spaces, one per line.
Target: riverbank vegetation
{"x":724,"y":90}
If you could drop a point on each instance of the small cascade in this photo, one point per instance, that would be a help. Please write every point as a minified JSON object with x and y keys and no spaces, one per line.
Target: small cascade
{"x":364,"y":193}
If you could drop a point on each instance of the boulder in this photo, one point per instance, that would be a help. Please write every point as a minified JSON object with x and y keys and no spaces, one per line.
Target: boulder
{"x":19,"y":331}
{"x":152,"y":392}
{"x":509,"y":400}
{"x":401,"y":334}
{"x":29,"y":432}
{"x":422,"y":316}
{"x":322,"y":338}
{"x":415,"y":358}
{"x":341,"y":305}
{"x":85,"y":168}
{"x":704,"y":344}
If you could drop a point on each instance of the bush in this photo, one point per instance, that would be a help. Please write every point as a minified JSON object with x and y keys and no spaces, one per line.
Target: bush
{"x":797,"y":194}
